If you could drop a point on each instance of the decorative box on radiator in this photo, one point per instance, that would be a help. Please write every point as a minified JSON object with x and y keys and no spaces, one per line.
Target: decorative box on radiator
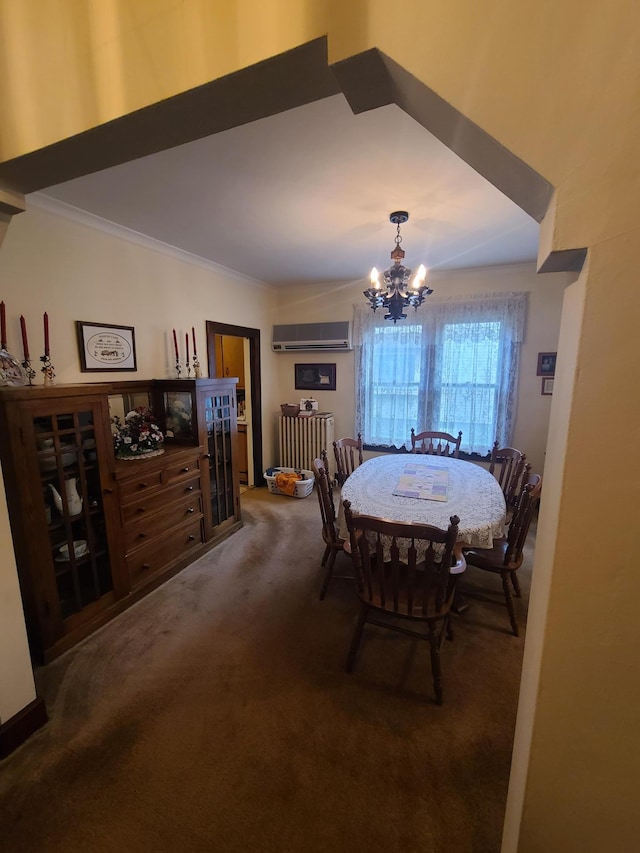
{"x":302,"y":439}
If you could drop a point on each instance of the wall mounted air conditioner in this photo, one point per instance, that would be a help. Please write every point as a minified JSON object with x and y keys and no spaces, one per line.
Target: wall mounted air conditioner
{"x":312,"y":337}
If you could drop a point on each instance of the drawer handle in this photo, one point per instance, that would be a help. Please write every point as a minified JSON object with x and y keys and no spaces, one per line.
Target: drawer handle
{"x":108,"y":491}
{"x":141,"y":535}
{"x":191,"y":537}
{"x":140,"y":509}
{"x":146,"y":565}
{"x":189,"y":489}
{"x":207,"y":456}
{"x":190,"y":509}
{"x":142,"y":485}
{"x":185,"y":469}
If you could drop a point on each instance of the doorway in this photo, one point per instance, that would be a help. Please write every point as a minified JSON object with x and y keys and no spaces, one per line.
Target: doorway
{"x":254,"y":401}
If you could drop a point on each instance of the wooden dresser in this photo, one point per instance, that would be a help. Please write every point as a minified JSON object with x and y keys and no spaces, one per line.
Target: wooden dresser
{"x":93,"y":534}
{"x":161,"y":513}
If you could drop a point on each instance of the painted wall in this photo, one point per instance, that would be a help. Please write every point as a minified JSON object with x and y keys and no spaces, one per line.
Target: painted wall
{"x":81,"y":272}
{"x":318,"y":303}
{"x":557,"y":85}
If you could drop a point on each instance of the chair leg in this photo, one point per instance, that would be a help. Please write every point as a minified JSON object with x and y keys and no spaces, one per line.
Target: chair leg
{"x":357,"y":636}
{"x":509,"y":600}
{"x":329,"y":572}
{"x":436,"y":669}
{"x":515,"y":583}
{"x":327,"y":551}
{"x":449,"y":627}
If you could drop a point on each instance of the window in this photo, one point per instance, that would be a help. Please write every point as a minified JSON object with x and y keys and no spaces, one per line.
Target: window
{"x":455,"y":370}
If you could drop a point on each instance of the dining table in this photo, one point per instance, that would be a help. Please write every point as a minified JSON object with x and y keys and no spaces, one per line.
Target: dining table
{"x":426,"y":489}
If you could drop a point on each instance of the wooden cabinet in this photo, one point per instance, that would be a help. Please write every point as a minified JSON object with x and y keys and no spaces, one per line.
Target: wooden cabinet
{"x":229,"y":351}
{"x":204,"y":412}
{"x":92,"y":534}
{"x":219,"y":433}
{"x":57,"y":458}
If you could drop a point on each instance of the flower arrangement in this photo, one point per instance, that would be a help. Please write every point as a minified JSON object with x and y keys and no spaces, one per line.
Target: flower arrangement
{"x":138,"y":435}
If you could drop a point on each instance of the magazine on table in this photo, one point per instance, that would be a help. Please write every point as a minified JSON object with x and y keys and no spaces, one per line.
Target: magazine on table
{"x":425,"y":482}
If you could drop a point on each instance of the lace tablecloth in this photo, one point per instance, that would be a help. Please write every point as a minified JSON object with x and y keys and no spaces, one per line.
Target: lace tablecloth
{"x":474,"y":495}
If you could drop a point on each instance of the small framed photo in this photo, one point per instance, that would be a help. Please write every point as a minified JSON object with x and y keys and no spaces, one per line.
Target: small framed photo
{"x":547,"y":387}
{"x":315,"y":377}
{"x":546,"y":364}
{"x":105,"y":347}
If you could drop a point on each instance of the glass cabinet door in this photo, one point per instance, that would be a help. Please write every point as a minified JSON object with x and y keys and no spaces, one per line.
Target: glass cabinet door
{"x":219,"y":414}
{"x":67,"y":458}
{"x":178,"y":415}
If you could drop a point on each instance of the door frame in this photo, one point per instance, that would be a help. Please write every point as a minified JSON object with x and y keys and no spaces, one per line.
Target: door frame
{"x":214,"y":328}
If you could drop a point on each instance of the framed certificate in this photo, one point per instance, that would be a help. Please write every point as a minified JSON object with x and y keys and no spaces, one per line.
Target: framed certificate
{"x":105,"y":347}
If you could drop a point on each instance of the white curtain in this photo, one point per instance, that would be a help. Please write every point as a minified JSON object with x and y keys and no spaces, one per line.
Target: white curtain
{"x":450,"y":366}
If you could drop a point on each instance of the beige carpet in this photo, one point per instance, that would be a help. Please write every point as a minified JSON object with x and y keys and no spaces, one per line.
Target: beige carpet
{"x":215,"y":715}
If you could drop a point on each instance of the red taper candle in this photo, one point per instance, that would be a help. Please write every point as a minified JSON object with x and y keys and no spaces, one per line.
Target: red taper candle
{"x":186,"y":337}
{"x":3,"y":326}
{"x":175,"y":345}
{"x":193,"y":335}
{"x":25,"y":342}
{"x":46,"y":333}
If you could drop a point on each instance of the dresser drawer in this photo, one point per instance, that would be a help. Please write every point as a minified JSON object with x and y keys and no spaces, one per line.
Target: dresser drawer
{"x":152,"y":526}
{"x":150,"y":504}
{"x":147,"y":561}
{"x":158,"y":477}
{"x":180,"y":471}
{"x":147,"y":481}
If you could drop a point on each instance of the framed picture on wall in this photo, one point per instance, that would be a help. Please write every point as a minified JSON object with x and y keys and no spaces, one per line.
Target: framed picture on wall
{"x":105,"y":347}
{"x":315,"y":377}
{"x":546,"y":364}
{"x":547,"y":387}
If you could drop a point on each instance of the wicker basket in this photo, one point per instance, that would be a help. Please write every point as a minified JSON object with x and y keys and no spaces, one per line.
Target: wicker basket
{"x":289,"y":410}
{"x":303,"y":487}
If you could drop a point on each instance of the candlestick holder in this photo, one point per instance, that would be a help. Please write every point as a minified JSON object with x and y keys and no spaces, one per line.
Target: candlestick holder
{"x":31,"y":374}
{"x":188,"y":366}
{"x":47,"y":369}
{"x":11,"y":371}
{"x":178,"y":368}
{"x":196,"y":367}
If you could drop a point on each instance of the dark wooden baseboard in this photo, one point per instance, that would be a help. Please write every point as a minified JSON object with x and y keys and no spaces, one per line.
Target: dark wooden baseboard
{"x":21,"y":726}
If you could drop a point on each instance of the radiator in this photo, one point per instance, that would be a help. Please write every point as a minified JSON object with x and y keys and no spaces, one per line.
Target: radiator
{"x":303,"y":439}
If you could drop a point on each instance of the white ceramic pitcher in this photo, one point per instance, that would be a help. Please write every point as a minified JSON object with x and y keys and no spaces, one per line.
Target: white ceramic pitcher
{"x":74,"y":500}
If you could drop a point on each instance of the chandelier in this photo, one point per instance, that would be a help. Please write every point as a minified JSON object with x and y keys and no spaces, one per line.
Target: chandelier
{"x":396,"y":293}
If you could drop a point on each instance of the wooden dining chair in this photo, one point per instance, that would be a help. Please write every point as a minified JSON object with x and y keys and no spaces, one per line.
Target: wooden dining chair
{"x":507,"y":466}
{"x":348,"y":453}
{"x":333,"y":543}
{"x":435,"y":443}
{"x":505,"y":558}
{"x":419,"y":588}
{"x":330,"y":483}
